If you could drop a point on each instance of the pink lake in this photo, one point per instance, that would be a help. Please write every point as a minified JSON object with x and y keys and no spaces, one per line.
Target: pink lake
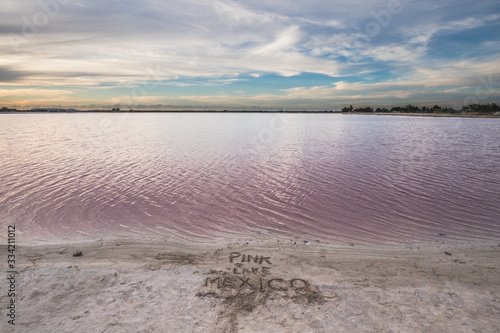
{"x":317,"y":176}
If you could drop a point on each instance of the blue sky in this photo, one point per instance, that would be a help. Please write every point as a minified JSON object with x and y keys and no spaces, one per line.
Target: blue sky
{"x":245,"y":55}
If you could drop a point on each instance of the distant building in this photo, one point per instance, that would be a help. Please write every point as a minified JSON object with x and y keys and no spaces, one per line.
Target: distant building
{"x":53,"y":110}
{"x":5,"y":109}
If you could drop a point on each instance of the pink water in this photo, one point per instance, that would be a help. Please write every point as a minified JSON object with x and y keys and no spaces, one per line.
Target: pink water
{"x":341,"y":177}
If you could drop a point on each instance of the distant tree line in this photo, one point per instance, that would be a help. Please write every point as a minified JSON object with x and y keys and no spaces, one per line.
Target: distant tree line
{"x":489,"y":108}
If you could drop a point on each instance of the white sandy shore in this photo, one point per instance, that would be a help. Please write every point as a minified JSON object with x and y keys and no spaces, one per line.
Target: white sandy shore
{"x":286,"y":285}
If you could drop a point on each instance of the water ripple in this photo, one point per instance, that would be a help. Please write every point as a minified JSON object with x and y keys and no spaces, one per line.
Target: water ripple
{"x":347,"y":178}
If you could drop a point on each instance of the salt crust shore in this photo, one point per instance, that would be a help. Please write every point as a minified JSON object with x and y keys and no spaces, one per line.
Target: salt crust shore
{"x":286,"y":285}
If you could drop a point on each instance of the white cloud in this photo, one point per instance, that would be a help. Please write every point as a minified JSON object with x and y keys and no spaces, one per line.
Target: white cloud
{"x":235,"y":13}
{"x":112,"y":51}
{"x":399,"y":53}
{"x":423,"y":33}
{"x":285,"y":41}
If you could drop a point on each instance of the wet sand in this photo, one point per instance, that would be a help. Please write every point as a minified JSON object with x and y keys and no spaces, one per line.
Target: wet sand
{"x":274,"y":285}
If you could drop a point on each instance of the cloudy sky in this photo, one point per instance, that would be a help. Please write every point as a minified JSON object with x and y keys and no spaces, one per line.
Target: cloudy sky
{"x":313,"y":54}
